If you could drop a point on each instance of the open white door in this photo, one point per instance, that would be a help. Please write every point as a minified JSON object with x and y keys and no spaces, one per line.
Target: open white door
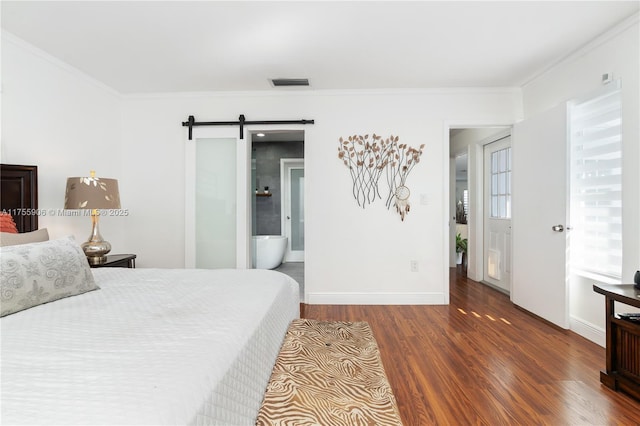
{"x":539,"y":279}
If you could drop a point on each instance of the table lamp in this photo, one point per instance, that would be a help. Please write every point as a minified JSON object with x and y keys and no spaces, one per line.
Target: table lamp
{"x":93,"y":193}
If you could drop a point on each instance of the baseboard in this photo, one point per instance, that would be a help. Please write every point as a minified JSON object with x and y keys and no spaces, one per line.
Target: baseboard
{"x":589,"y":331}
{"x":495,"y":287}
{"x":382,"y":298}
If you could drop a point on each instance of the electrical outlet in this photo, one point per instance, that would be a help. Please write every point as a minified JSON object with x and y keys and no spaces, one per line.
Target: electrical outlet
{"x":414,"y":266}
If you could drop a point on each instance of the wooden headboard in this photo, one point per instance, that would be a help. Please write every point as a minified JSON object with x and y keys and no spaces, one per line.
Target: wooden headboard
{"x":19,"y":195}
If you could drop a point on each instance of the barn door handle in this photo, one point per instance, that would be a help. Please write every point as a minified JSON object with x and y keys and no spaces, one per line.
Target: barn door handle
{"x":557,"y":228}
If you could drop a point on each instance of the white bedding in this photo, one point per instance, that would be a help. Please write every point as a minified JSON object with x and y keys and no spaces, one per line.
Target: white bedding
{"x":152,"y":346}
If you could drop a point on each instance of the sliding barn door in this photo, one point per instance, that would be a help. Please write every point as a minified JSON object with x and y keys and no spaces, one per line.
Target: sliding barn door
{"x":215,"y":203}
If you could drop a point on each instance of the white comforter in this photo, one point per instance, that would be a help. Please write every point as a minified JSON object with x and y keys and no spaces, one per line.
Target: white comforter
{"x":152,"y":346}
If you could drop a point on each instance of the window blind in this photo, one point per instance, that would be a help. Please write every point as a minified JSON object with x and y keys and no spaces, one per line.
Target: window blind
{"x":595,"y":179}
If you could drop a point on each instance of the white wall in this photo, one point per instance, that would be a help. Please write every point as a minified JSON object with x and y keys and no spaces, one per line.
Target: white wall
{"x":67,"y":124}
{"x":616,"y":52}
{"x":353,"y":255}
{"x":55,"y":117}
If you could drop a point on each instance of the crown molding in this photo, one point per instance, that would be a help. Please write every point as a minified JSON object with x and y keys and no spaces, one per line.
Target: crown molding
{"x":599,"y":40}
{"x":24,"y":45}
{"x":331,"y":92}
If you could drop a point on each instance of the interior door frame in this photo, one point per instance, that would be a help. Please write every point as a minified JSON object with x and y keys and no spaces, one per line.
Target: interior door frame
{"x":286,"y":165}
{"x":476,"y":210}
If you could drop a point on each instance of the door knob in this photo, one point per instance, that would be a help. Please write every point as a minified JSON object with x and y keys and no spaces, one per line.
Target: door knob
{"x":557,"y":228}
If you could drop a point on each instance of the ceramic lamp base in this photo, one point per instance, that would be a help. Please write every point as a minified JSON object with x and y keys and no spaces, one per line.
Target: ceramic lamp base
{"x":96,"y":251}
{"x":96,"y":260}
{"x":96,"y":248}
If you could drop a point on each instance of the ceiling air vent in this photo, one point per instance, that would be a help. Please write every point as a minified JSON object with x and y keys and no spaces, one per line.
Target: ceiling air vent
{"x":282,"y":82}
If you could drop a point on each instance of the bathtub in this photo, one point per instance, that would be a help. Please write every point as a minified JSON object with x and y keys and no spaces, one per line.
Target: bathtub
{"x":268,"y":251}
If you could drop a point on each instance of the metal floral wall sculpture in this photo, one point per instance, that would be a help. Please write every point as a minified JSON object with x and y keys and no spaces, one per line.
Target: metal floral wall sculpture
{"x":369,"y":158}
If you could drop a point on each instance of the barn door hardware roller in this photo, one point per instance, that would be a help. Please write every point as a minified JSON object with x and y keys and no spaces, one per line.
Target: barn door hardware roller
{"x":191,"y":123}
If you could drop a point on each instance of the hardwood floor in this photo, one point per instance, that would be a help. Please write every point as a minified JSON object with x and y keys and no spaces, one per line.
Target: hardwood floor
{"x":482,"y":361}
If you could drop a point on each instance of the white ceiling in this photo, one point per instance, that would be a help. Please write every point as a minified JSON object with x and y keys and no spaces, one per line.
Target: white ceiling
{"x":179,"y":46}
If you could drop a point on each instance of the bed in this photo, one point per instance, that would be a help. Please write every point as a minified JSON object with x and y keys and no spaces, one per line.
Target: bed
{"x":145,"y":346}
{"x":19,"y":194}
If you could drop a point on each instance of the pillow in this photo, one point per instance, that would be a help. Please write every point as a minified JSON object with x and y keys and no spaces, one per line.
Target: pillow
{"x":7,"y":224}
{"x":9,"y":239}
{"x":37,"y":273}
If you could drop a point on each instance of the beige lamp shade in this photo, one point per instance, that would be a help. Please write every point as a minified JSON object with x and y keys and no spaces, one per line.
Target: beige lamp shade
{"x":91,"y":193}
{"x":95,"y":194}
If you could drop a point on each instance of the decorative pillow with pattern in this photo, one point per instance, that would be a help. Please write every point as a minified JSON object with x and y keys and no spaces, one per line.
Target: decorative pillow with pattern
{"x":37,"y":273}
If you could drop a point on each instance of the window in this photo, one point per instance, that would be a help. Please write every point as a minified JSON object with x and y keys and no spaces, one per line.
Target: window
{"x":595,"y":179}
{"x":501,"y":184}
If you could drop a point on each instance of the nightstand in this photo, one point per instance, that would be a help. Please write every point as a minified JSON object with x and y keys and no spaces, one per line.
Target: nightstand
{"x":118,"y":261}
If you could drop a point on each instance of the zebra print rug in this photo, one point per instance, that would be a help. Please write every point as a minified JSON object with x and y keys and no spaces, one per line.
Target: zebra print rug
{"x":328,"y":373}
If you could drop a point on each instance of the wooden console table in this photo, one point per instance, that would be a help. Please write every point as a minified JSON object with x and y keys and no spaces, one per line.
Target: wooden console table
{"x":623,"y":340}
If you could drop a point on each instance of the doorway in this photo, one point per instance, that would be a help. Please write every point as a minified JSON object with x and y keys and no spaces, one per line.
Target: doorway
{"x":466,"y":144}
{"x":268,"y":151}
{"x":278,"y":187}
